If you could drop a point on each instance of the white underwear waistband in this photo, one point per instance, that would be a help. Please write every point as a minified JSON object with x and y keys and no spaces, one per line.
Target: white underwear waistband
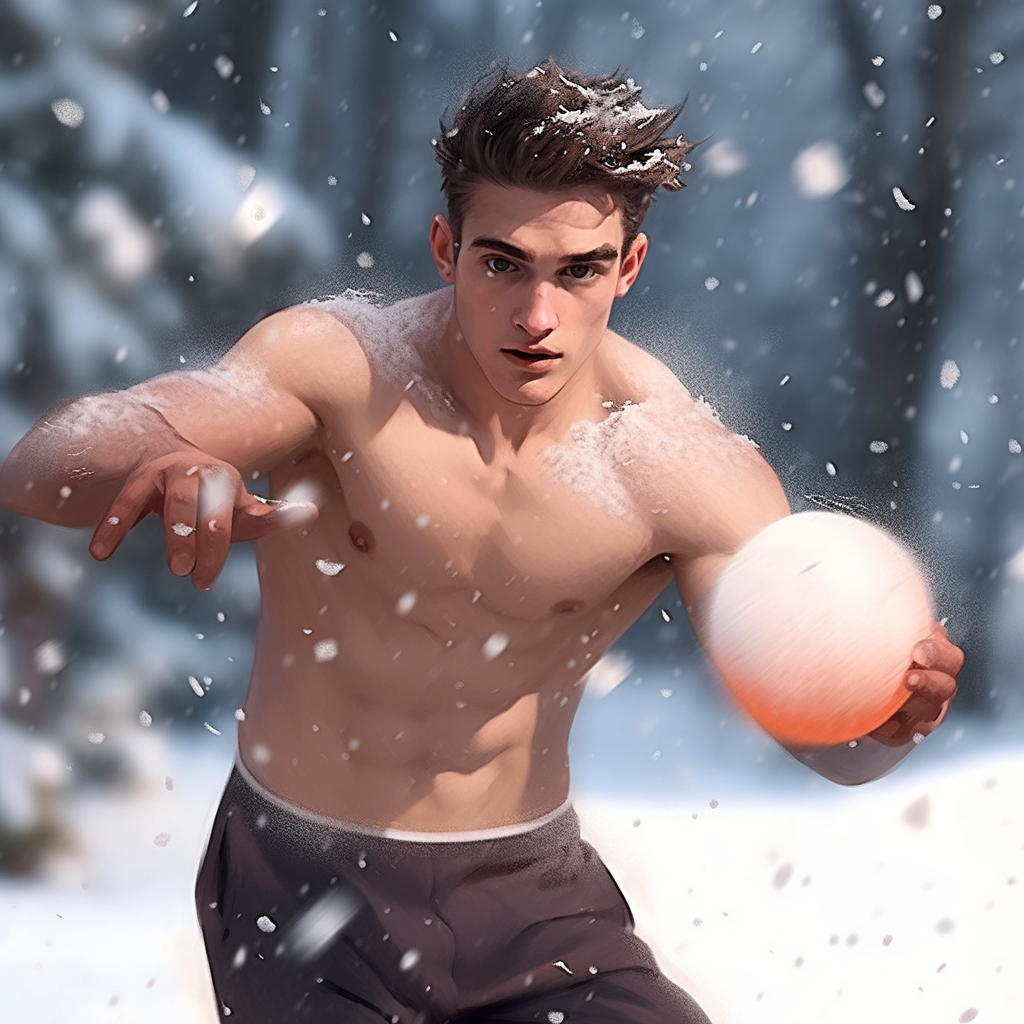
{"x":404,"y":835}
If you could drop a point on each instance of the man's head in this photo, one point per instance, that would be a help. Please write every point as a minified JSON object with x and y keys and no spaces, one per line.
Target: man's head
{"x":548,"y":130}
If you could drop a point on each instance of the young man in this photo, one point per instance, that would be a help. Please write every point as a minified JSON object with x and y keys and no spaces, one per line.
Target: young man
{"x":498,"y":487}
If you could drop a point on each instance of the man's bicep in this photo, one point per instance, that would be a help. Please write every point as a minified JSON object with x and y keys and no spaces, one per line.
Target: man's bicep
{"x":729,"y":507}
{"x":257,"y":406}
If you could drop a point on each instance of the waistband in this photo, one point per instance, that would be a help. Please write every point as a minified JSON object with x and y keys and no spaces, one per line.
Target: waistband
{"x":401,"y":835}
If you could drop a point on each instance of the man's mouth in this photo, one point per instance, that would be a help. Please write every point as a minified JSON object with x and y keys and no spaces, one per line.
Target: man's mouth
{"x":530,"y":357}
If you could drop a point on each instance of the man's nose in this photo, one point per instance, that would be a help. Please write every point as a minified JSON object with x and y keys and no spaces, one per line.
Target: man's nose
{"x":537,"y":314}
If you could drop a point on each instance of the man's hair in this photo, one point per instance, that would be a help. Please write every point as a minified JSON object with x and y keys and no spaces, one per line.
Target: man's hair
{"x":546,"y":129}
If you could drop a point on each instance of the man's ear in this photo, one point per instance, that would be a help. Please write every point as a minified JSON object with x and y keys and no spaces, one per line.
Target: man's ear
{"x":442,"y":248}
{"x":631,"y":265}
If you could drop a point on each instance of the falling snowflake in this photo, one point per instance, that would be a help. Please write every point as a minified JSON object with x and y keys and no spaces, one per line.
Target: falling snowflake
{"x":69,"y":112}
{"x":494,"y":645}
{"x":325,"y":650}
{"x":901,"y":200}
{"x":949,"y":374}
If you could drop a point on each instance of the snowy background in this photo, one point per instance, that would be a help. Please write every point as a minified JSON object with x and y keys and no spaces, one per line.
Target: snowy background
{"x":843,"y":279}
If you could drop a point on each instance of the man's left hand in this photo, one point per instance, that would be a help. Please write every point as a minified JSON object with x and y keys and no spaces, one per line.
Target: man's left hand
{"x":931,"y":682}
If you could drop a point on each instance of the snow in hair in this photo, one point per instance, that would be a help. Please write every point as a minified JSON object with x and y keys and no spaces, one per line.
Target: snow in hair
{"x":548,"y":129}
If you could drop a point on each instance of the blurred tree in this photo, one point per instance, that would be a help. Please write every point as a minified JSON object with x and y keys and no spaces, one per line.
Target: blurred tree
{"x":126,"y":231}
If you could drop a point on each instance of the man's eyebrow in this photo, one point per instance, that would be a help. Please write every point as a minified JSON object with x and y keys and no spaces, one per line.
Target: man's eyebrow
{"x":602,"y":254}
{"x":506,"y":247}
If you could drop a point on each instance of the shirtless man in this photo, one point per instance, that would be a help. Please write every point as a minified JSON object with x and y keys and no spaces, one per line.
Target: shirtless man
{"x":496,"y":486}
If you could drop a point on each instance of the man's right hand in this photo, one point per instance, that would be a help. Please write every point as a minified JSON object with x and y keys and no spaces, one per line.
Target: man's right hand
{"x":204,"y":506}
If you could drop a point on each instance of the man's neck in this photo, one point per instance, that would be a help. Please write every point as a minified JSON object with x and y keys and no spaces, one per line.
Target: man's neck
{"x":507,"y":425}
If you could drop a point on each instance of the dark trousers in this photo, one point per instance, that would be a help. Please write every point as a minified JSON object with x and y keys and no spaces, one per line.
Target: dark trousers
{"x":305,"y":920}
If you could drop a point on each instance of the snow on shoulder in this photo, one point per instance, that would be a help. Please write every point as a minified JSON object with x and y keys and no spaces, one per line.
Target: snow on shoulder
{"x":616,"y":462}
{"x":401,"y":340}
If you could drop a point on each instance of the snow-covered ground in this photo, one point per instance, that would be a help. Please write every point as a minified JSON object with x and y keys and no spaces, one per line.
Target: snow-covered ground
{"x":900,"y":901}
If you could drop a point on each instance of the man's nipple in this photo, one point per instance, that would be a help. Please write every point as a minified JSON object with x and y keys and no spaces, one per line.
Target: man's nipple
{"x":566,"y":607}
{"x":362,"y":537}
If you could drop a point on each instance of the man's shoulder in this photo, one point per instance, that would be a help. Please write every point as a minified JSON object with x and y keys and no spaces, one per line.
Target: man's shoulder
{"x":396,"y":339}
{"x":680,"y":442}
{"x":635,"y":376}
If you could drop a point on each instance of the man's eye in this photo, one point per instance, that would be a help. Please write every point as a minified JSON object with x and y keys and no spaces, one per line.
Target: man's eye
{"x":499,"y":265}
{"x":580,"y":271}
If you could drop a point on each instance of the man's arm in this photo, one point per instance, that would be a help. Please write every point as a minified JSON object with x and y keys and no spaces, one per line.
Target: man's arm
{"x":712,"y":516}
{"x":179,"y":445}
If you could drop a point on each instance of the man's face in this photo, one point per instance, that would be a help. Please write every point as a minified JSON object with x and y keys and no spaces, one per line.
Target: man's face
{"x":534,"y":283}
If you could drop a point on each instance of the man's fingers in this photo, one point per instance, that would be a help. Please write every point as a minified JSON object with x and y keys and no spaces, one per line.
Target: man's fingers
{"x":135,"y":499}
{"x":215,"y":508}
{"x":917,"y":715}
{"x":931,"y":685}
{"x":257,"y":518}
{"x":937,"y":652}
{"x":180,"y":500}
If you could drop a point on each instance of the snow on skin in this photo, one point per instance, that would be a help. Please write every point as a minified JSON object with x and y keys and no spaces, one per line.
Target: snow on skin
{"x":329,"y":568}
{"x":600,"y":460}
{"x":399,"y":340}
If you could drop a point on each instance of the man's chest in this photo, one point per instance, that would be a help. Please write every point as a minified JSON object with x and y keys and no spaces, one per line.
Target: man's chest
{"x":435,"y":511}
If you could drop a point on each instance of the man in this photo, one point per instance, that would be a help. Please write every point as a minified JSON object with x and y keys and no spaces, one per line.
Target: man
{"x":497,"y":486}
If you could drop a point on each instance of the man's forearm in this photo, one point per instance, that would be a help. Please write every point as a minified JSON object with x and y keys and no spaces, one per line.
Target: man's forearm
{"x":70,"y":466}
